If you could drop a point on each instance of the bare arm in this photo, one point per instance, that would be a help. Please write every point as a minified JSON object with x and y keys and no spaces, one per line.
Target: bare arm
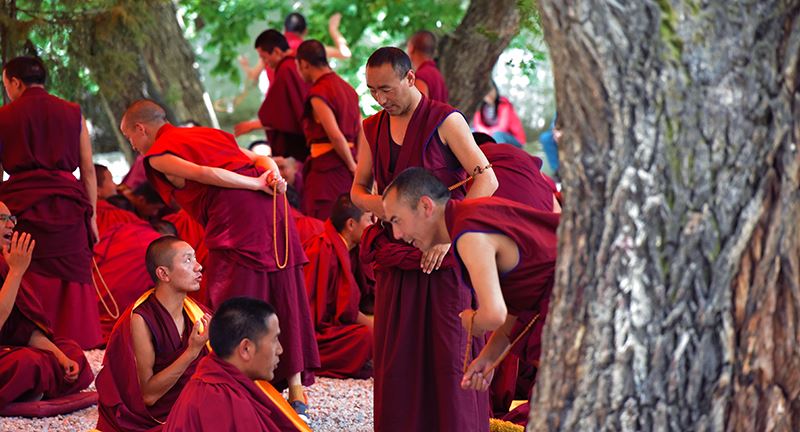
{"x":88,"y":176}
{"x":154,"y":386}
{"x":173,"y":166}
{"x":18,"y":257}
{"x":325,"y":116}
{"x":251,"y":73}
{"x":268,"y":164}
{"x":365,"y":320}
{"x":455,"y":133}
{"x":478,"y":253}
{"x":361,"y":192}
{"x":340,"y":50}
{"x":40,"y":341}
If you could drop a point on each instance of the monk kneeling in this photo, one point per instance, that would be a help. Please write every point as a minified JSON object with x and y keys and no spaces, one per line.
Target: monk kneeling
{"x":154,"y":348}
{"x":33,"y":365}
{"x":223,"y":393}
{"x":344,"y":334}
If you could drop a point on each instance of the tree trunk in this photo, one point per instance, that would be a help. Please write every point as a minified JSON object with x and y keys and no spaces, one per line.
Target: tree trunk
{"x":468,"y":55}
{"x":151,"y":59}
{"x":677,"y":296}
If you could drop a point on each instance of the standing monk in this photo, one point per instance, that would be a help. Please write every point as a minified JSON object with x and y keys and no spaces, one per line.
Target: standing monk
{"x":253,"y":248}
{"x":281,"y":113}
{"x":421,"y":48}
{"x":43,"y":140}
{"x":508,"y":251}
{"x":32,"y":363}
{"x":331,"y":124}
{"x":418,"y":342}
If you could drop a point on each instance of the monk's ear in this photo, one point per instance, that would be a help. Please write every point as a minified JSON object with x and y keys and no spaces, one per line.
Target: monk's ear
{"x":411,"y":77}
{"x":162,"y":273}
{"x":427,"y":205}
{"x":246,"y":348}
{"x":351,"y":224}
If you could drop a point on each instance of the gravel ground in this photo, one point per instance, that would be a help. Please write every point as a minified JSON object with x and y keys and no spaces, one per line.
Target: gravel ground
{"x":335,"y":405}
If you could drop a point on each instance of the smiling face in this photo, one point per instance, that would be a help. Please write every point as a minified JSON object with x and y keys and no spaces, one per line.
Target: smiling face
{"x":393,"y":93}
{"x":270,"y":59}
{"x":267,"y":352}
{"x":184,"y":273}
{"x":415,"y":226}
{"x":6,"y":226}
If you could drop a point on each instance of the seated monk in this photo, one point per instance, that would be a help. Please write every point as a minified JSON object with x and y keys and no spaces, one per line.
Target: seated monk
{"x":155,"y":346}
{"x":223,"y":394}
{"x":508,"y":252}
{"x":344,"y":334}
{"x":33,"y":364}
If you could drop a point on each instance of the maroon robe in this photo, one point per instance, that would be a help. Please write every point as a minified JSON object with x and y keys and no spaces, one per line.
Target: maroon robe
{"x":419,"y":341}
{"x":307,"y":226}
{"x":241,"y":251}
{"x":282,"y":111}
{"x":519,"y":176}
{"x":121,"y":406}
{"x":40,"y":148}
{"x":345,"y":347}
{"x":219,"y":397}
{"x":526,"y":289}
{"x":109,"y":216}
{"x":26,"y":371}
{"x":326,"y":176}
{"x":429,"y":73}
{"x":120,"y":258}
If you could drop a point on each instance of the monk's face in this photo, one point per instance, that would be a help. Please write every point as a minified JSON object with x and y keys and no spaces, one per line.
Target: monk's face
{"x":7,"y":224}
{"x":270,"y":58}
{"x":392,"y":92}
{"x":304,"y":69}
{"x":138,"y":135}
{"x":360,"y":225}
{"x":107,"y":186}
{"x":267,"y":352}
{"x":185,"y":272}
{"x":412,"y":225}
{"x":14,"y":87}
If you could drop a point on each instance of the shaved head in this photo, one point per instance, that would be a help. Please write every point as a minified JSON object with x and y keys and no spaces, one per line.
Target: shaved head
{"x":144,"y":111}
{"x":423,"y":42}
{"x":160,"y":252}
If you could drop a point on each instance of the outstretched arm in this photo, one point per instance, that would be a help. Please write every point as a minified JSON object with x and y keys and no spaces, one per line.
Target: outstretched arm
{"x":176,"y":167}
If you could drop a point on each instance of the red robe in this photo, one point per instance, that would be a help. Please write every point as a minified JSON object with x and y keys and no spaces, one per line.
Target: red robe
{"x":221,"y":398}
{"x":429,"y":73}
{"x":39,"y":142}
{"x":282,"y":111}
{"x":120,"y":258}
{"x":344,"y":346}
{"x":121,"y":407}
{"x":326,"y":176}
{"x":507,"y":121}
{"x":238,"y":227}
{"x":419,"y":341}
{"x":526,"y":289}
{"x":27,"y":371}
{"x":109,"y":216}
{"x":519,"y":176}
{"x":307,"y":226}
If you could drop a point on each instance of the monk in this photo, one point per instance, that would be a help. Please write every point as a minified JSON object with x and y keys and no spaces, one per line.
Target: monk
{"x":223,"y":188}
{"x":331,"y":125}
{"x":295,"y":29}
{"x":508,"y":251}
{"x":155,"y":347}
{"x":227,"y":392}
{"x":519,"y":174}
{"x":417,"y":360}
{"x":33,"y":364}
{"x":344,"y":334}
{"x":43,"y":140}
{"x":281,"y":113}
{"x":421,"y":48}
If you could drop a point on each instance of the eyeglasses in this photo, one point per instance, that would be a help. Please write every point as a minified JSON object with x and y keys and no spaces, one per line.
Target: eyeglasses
{"x":7,"y":217}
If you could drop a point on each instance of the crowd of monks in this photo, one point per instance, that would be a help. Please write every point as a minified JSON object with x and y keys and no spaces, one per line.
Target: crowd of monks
{"x":400,"y":247}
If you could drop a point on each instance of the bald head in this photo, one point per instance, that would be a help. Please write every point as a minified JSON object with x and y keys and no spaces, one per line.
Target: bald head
{"x":423,"y":42}
{"x":144,"y":111}
{"x":160,"y":252}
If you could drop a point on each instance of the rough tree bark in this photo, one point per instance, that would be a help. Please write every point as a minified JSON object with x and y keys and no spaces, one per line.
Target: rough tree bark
{"x":468,"y":55}
{"x":677,"y":297}
{"x":160,"y":65}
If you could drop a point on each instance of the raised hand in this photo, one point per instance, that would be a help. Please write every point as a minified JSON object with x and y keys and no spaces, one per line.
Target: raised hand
{"x":433,"y":257}
{"x":199,"y":335}
{"x":18,"y":253}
